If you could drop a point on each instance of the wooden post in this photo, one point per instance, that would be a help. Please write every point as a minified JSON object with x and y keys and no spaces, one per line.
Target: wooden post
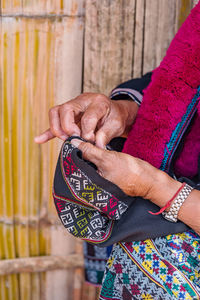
{"x":115,"y":52}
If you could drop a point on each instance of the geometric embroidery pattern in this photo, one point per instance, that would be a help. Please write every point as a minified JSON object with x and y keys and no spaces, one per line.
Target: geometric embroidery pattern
{"x":90,"y":212}
{"x":162,"y":268}
{"x":82,"y":223}
{"x":86,"y":190}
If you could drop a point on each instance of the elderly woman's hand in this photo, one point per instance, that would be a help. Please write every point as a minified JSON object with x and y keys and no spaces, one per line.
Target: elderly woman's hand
{"x":134,"y":176}
{"x":139,"y":178}
{"x":92,"y":116}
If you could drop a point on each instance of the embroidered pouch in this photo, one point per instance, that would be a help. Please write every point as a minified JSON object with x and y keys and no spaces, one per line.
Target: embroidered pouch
{"x":96,"y":210}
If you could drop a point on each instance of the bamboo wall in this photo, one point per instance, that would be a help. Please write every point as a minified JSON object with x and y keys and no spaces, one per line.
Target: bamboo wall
{"x":51,"y":50}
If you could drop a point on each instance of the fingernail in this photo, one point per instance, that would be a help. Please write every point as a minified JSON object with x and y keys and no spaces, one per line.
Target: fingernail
{"x":76,"y":142}
{"x":37,"y":138}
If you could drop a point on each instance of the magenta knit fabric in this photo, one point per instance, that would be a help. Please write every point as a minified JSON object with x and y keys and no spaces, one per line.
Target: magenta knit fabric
{"x":174,"y":84}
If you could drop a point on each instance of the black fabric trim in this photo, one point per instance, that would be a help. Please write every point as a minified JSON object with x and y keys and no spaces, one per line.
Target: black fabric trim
{"x":138,"y":84}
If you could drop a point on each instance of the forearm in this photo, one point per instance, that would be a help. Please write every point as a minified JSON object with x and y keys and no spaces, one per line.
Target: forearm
{"x":163,"y":191}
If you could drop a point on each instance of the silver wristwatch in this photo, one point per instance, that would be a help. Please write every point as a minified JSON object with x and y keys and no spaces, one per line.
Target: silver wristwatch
{"x":172,"y":214}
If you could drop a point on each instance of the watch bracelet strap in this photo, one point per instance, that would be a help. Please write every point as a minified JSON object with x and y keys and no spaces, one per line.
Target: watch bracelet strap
{"x":172,"y":214}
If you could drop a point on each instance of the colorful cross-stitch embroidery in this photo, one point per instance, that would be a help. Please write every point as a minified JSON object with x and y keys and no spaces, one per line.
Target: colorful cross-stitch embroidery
{"x":163,"y":268}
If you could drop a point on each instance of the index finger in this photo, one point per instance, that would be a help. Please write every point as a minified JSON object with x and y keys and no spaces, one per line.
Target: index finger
{"x":67,"y":121}
{"x":91,"y":118}
{"x":44,"y":137}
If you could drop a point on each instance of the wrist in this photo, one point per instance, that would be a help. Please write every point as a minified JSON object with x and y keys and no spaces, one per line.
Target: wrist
{"x":190,"y":211}
{"x":129,"y":109}
{"x":163,"y":189}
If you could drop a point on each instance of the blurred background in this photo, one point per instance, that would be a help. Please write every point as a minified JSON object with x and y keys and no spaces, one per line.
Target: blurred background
{"x":51,"y":51}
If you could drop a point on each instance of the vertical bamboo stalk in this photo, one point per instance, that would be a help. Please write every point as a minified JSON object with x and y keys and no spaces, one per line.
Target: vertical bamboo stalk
{"x":19,"y":153}
{"x":46,"y":149}
{"x":2,"y":246}
{"x":10,"y":282}
{"x":39,"y":105}
{"x":34,"y":175}
{"x":47,"y":180}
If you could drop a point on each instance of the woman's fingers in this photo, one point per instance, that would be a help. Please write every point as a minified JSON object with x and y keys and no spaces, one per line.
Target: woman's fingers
{"x":90,"y":119}
{"x":110,"y":129}
{"x":99,"y":118}
{"x":54,"y":130}
{"x":44,"y":137}
{"x":92,"y":153}
{"x":112,"y":126}
{"x":55,"y":123}
{"x":67,"y":121}
{"x":62,"y":124}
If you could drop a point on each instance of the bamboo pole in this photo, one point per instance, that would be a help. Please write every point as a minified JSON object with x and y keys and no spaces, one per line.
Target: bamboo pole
{"x":3,"y":289}
{"x":33,"y":168}
{"x":19,"y":149}
{"x":10,"y":288}
{"x":42,"y":106}
{"x":40,"y":264}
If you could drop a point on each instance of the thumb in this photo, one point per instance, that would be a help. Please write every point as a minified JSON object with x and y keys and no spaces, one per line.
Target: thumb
{"x":102,"y":138}
{"x":105,"y":134}
{"x":90,"y":152}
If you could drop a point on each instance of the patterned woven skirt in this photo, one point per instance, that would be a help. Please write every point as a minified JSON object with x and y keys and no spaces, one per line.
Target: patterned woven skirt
{"x":162,"y":268}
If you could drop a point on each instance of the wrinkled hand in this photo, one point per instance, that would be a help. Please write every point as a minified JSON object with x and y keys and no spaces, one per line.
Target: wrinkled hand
{"x":94,"y":117}
{"x":134,"y":176}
